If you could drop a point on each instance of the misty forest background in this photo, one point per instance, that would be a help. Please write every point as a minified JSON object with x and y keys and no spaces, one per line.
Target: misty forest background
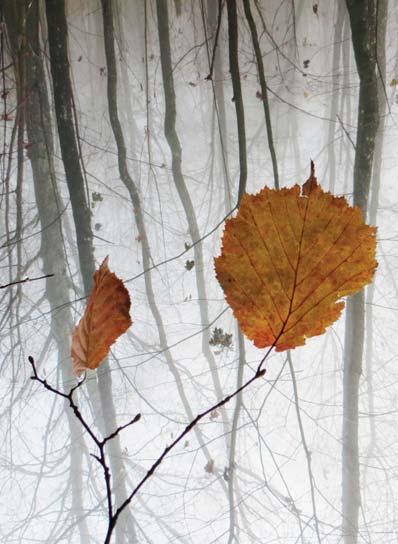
{"x":130,"y":129}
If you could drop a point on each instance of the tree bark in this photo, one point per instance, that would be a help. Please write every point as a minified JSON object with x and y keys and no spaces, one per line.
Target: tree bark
{"x":109,"y":44}
{"x":363,"y":30}
{"x":176,"y":154}
{"x":63,"y":99}
{"x":237,"y":98}
{"x":264,"y":89}
{"x":382,"y":11}
{"x":214,"y":22}
{"x":233,"y":38}
{"x":337,"y":51}
{"x":52,"y":252}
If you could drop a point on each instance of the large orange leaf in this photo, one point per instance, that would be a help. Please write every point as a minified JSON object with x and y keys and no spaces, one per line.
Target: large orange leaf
{"x":105,"y":319}
{"x":288,"y":257}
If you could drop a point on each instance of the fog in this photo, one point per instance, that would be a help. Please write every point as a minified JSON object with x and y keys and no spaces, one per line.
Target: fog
{"x":131,"y":129}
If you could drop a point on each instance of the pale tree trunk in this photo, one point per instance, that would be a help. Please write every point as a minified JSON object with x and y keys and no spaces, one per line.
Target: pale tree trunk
{"x":178,"y":177}
{"x":63,"y":99}
{"x":109,"y":43}
{"x":363,"y":30}
{"x":112,"y":78}
{"x":233,"y":40}
{"x":214,"y":25}
{"x":346,"y":113}
{"x":333,"y":123}
{"x":39,"y":133}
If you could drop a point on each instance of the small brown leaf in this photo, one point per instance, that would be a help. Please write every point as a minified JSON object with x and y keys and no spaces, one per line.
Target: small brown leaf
{"x":209,"y":466}
{"x":105,"y":319}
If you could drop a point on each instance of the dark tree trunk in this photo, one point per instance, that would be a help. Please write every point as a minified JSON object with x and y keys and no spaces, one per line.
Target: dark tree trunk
{"x":382,"y":11}
{"x":264,"y":89}
{"x":363,"y":29}
{"x":63,"y":98}
{"x":52,"y":252}
{"x":237,"y":98}
{"x":233,"y":39}
{"x":63,"y":101}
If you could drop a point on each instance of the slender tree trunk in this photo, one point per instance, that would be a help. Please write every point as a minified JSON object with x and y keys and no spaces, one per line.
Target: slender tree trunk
{"x":382,"y":10}
{"x":264,"y":89}
{"x":63,"y":99}
{"x":346,"y":155}
{"x":176,"y":153}
{"x":233,"y":38}
{"x":214,"y":22}
{"x":237,"y":98}
{"x":337,"y":46}
{"x":108,"y":16}
{"x":39,"y":133}
{"x":363,"y":30}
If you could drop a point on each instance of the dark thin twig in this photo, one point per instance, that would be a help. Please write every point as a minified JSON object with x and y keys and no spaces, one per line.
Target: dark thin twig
{"x":345,"y":131}
{"x":26,"y":280}
{"x":188,"y":248}
{"x":259,"y":373}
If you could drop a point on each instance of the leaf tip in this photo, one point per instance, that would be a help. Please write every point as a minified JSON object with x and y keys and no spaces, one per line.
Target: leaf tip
{"x":312,"y":183}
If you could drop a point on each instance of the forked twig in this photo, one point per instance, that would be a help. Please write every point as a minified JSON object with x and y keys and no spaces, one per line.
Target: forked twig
{"x":114,"y":513}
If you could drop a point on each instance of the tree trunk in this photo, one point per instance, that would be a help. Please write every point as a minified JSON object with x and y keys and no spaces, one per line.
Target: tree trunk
{"x":213,"y":22}
{"x":233,"y":37}
{"x":264,"y":89}
{"x":41,"y":152}
{"x":334,"y":102}
{"x":363,"y":30}
{"x":382,"y":10}
{"x":176,"y":154}
{"x":63,"y":99}
{"x":237,"y":98}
